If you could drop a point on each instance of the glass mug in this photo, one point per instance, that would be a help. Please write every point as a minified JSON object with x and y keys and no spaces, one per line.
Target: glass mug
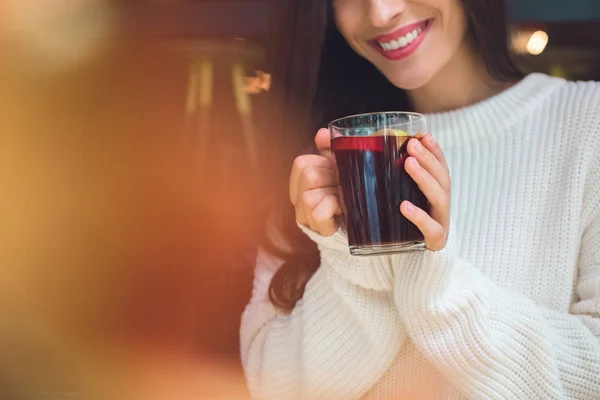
{"x":370,"y":151}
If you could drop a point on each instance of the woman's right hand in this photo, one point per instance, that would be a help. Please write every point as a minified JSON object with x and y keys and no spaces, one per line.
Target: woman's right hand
{"x":314,"y":188}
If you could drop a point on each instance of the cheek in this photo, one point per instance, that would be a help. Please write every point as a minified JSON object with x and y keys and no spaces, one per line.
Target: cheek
{"x":348,"y":19}
{"x":447,"y":37}
{"x":455,"y":22}
{"x":448,"y":33}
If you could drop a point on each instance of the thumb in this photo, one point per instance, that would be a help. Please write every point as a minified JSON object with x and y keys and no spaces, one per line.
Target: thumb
{"x":323,"y":142}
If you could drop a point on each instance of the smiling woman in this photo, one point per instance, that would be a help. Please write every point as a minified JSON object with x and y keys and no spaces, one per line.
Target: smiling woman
{"x":343,"y":70}
{"x":504,"y":302}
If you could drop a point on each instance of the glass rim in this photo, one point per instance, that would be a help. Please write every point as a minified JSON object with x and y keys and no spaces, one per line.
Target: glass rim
{"x":414,"y":114}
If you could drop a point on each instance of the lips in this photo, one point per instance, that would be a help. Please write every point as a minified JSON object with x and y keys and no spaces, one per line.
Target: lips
{"x":403,"y":42}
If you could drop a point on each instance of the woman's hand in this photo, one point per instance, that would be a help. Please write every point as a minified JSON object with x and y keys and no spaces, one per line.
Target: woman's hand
{"x":314,"y":189}
{"x":427,"y":166}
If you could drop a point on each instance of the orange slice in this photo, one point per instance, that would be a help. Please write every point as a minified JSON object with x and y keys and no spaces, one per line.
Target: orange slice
{"x":391,"y":132}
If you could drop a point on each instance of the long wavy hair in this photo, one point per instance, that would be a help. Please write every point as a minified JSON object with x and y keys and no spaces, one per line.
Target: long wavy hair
{"x":317,"y":77}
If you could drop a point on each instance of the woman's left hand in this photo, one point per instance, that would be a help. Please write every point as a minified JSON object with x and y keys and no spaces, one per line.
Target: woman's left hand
{"x":427,"y":166}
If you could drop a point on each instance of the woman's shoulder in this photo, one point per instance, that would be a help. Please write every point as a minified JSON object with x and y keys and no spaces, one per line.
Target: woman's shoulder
{"x":577,"y":105}
{"x":579,"y":108}
{"x":567,"y":114}
{"x":582,"y":96}
{"x":585,"y":106}
{"x":584,"y":89}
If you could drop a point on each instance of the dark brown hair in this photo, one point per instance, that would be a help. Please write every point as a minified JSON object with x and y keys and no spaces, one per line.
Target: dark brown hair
{"x":317,"y":77}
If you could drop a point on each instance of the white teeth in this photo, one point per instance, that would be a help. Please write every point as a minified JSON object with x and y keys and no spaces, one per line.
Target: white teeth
{"x":403,"y":41}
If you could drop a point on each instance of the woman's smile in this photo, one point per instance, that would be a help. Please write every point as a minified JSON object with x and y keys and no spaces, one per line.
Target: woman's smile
{"x":403,"y":42}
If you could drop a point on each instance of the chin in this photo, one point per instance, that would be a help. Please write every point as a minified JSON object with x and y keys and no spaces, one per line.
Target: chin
{"x":410,"y":79}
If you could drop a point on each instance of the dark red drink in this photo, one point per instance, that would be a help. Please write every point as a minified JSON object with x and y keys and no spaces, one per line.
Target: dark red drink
{"x":374,"y":183}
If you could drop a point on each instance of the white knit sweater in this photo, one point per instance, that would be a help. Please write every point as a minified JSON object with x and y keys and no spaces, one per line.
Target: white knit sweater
{"x":509,"y":310}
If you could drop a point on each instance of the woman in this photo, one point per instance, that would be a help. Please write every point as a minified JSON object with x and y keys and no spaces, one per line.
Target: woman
{"x":505,"y":303}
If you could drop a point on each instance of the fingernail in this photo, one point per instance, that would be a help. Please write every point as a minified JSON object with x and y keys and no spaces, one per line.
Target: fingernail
{"x":418,"y":146}
{"x":432,"y":140}
{"x":409,"y":208}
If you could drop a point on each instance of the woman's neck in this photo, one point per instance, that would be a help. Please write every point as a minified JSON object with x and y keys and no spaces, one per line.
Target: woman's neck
{"x":463,"y":81}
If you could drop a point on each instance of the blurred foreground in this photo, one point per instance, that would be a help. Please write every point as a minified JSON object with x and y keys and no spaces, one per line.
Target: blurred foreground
{"x":115,"y":242}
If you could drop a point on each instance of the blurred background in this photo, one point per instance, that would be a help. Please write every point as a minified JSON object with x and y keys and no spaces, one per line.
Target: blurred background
{"x":132,"y":198}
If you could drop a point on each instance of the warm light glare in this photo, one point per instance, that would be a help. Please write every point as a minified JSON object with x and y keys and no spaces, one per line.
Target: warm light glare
{"x":537,"y":43}
{"x":58,"y":34}
{"x":258,"y":84}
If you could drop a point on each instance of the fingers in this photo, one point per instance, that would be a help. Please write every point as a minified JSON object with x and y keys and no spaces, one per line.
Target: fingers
{"x":314,"y":191}
{"x":312,"y":198}
{"x":435,"y":149}
{"x":314,"y":178}
{"x":438,"y":197}
{"x":318,"y":201}
{"x":318,"y":210}
{"x":428,"y":168}
{"x":308,"y":166}
{"x":430,"y":162}
{"x":434,"y":233}
{"x":324,"y":215}
{"x":323,"y":142}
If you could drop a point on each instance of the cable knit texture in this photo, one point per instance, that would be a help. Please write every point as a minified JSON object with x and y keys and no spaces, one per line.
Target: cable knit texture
{"x":510,"y":309}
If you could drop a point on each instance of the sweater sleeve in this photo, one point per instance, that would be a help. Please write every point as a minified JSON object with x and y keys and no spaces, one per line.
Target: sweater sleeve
{"x":339,"y":339}
{"x":493,"y":343}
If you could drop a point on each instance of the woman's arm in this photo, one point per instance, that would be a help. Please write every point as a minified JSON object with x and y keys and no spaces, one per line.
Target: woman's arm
{"x":493,"y":343}
{"x":339,"y":339}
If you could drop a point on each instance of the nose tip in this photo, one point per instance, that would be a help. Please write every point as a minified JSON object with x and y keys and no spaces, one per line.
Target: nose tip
{"x":383,"y":12}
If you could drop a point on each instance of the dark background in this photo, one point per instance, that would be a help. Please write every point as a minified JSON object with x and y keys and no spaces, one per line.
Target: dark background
{"x":573,"y":27}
